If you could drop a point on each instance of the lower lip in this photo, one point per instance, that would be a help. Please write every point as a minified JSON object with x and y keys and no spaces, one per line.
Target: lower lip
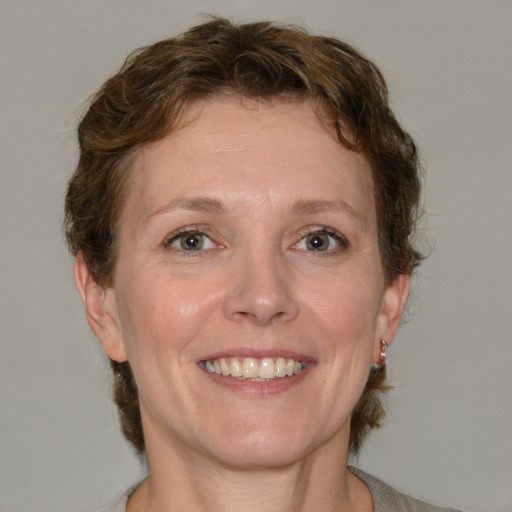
{"x":259,"y":389}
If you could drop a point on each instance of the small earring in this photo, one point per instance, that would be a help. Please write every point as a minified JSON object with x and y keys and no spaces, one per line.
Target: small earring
{"x":384,"y":345}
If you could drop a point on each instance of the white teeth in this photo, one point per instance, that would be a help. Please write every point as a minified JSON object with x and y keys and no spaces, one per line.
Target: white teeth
{"x":250,"y":368}
{"x":280,"y":367}
{"x":224,"y":367}
{"x":267,"y":369}
{"x":236,"y":368}
{"x":255,"y":369}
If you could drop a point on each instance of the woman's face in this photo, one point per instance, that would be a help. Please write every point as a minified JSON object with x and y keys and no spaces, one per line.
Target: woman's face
{"x":248,"y":244}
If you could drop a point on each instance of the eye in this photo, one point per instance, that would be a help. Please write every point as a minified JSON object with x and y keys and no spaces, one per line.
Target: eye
{"x":321,"y":241}
{"x":190,"y":241}
{"x":318,"y":242}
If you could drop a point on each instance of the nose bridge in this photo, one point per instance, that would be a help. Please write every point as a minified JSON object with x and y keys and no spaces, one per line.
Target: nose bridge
{"x":261,"y":289}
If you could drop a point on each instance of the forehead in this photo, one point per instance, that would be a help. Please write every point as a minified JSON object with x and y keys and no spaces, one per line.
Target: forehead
{"x":240,"y":148}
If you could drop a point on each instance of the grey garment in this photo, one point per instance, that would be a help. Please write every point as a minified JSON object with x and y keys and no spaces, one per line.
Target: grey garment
{"x":385,"y":498}
{"x":119,"y":505}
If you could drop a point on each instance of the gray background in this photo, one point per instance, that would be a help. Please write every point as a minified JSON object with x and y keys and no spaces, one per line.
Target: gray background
{"x":448,"y":437}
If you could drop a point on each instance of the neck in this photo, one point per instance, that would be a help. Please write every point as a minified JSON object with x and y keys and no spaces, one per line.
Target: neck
{"x":185,"y":480}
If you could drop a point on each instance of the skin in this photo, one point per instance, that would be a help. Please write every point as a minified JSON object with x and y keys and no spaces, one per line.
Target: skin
{"x":256,"y":179}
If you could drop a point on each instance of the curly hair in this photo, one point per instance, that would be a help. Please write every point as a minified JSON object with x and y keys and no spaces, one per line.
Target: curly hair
{"x":148,"y":97}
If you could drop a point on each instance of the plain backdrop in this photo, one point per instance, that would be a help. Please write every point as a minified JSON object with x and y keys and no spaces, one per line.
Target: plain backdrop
{"x":448,"y":436}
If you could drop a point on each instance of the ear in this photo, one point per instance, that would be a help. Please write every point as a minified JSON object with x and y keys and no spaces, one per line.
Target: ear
{"x":101,"y":311}
{"x":393,"y":304}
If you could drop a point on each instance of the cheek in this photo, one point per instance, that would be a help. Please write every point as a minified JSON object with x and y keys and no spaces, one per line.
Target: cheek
{"x":347,"y":312}
{"x":162,"y":313}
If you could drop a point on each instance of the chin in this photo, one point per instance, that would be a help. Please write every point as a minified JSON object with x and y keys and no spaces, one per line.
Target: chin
{"x":261,"y":446}
{"x":258,"y":452}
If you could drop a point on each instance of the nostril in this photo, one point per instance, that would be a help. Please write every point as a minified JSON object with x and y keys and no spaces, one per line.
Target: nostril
{"x":242,"y":315}
{"x":260,"y":296}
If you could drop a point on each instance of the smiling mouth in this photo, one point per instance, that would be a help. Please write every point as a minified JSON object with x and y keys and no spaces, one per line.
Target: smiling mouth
{"x":252,"y":369}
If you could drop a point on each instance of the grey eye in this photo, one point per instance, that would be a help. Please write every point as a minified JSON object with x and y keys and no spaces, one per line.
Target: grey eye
{"x":318,"y":242}
{"x":191,"y":242}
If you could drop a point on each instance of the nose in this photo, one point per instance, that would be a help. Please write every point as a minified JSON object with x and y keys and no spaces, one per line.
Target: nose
{"x":261,"y":291}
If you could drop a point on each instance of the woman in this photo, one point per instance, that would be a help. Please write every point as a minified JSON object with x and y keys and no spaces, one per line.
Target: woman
{"x":241,"y":217}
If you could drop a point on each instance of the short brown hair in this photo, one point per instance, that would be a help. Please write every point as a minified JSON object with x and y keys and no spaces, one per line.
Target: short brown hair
{"x":147,"y":98}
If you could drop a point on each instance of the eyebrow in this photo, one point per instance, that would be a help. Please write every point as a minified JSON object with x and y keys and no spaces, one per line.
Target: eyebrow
{"x":301,"y":207}
{"x":197,"y":204}
{"x":311,"y":207}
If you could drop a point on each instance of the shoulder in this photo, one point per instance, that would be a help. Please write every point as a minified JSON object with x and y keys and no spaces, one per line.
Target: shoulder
{"x":387,"y":499}
{"x":120,"y":504}
{"x":117,"y":506}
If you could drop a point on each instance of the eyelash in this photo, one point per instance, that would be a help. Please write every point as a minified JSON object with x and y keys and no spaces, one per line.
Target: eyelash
{"x":187,"y":231}
{"x":340,"y":240}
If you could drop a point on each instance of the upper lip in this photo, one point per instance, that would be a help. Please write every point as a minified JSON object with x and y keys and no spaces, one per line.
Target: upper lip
{"x":257,"y":354}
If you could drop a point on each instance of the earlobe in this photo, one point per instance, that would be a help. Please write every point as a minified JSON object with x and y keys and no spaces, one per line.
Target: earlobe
{"x":100,"y":310}
{"x":393,"y":304}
